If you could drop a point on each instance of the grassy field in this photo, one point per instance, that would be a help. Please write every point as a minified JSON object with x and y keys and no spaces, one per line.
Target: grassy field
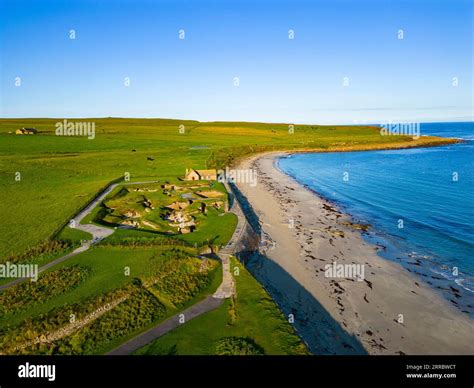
{"x":58,"y":174}
{"x":252,"y":317}
{"x":169,"y":279}
{"x":151,"y":271}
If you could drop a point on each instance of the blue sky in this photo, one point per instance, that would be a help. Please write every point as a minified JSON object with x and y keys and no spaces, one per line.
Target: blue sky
{"x":296,"y":80}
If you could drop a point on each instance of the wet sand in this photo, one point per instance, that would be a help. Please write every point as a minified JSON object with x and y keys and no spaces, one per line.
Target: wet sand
{"x":389,"y":312}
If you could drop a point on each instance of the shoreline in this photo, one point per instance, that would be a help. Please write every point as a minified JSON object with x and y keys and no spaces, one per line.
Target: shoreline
{"x":427,"y":272}
{"x":390,"y":312}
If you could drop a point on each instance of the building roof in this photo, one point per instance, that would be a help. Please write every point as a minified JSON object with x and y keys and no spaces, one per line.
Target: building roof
{"x":25,"y":130}
{"x":206,"y":172}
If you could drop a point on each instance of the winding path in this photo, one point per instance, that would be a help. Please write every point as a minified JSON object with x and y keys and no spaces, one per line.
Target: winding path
{"x":225,"y":290}
{"x":202,"y":307}
{"x":98,"y":232}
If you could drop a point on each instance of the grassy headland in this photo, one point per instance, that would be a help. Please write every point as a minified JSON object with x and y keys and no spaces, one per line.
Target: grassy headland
{"x":60,"y":173}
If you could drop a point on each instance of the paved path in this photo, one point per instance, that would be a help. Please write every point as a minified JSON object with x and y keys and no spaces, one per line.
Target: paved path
{"x":98,"y":232}
{"x":231,"y":246}
{"x":206,"y":305}
{"x":225,"y":290}
{"x":75,"y":252}
{"x":227,"y":287}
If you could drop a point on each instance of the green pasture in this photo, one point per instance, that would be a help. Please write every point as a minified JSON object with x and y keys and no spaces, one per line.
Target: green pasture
{"x":59,"y":174}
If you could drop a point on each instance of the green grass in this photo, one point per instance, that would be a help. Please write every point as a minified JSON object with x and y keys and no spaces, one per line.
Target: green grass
{"x":49,"y":285}
{"x":107,"y":272}
{"x":181,"y":284}
{"x":73,"y":235}
{"x":252,"y":315}
{"x":60,"y":174}
{"x":214,"y":227}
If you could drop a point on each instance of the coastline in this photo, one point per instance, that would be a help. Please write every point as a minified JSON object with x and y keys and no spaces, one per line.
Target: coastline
{"x":390,"y":312}
{"x":429,"y":269}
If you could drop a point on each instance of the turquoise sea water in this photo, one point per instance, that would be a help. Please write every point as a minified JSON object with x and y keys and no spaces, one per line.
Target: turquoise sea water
{"x":420,"y":203}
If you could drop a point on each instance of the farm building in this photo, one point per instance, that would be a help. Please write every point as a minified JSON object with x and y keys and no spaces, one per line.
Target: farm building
{"x":26,"y":131}
{"x":196,"y":175}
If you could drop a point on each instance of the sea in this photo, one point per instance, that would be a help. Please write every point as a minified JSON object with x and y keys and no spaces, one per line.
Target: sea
{"x":419,"y":203}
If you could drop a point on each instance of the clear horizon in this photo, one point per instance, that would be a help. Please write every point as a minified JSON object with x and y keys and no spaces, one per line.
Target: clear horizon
{"x":404,"y":61}
{"x":229,"y":121}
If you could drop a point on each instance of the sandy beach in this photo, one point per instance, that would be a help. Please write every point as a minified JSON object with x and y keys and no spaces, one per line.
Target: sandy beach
{"x":389,"y":312}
